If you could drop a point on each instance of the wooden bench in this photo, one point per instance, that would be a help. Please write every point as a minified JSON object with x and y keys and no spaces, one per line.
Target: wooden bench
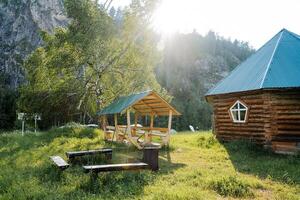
{"x":149,"y":161}
{"x":115,"y":167}
{"x":106,"y":151}
{"x":59,"y":162}
{"x":109,"y":133}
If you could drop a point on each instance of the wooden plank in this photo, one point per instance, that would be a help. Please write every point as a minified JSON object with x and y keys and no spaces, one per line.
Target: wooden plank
{"x":59,"y":162}
{"x":169,"y":128}
{"x":147,"y":101}
{"x":110,"y":127}
{"x":115,"y":167}
{"x":154,"y":128}
{"x":128,"y":123}
{"x":73,"y":154}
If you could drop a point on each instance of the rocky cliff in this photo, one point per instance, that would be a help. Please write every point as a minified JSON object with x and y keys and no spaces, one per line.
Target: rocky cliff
{"x":20,"y":23}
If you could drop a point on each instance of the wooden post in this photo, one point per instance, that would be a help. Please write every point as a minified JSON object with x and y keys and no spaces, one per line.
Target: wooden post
{"x":151,"y":126}
{"x":169,"y":127}
{"x":151,"y":120}
{"x":116,"y":126}
{"x":135,"y":122}
{"x":103,"y":122}
{"x":128,"y":122}
{"x":23,"y":126}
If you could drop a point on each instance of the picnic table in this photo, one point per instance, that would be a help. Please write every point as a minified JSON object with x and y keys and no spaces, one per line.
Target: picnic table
{"x":106,"y":151}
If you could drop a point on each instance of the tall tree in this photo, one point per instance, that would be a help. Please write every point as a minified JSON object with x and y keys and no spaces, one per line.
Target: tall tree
{"x":7,"y":103}
{"x":82,"y":68}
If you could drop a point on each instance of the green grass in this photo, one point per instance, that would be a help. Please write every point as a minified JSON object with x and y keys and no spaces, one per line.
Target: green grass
{"x":196,"y":166}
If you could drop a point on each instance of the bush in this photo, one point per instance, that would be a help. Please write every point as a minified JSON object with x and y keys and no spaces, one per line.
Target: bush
{"x":75,"y":130}
{"x":231,"y":186}
{"x":207,"y":142}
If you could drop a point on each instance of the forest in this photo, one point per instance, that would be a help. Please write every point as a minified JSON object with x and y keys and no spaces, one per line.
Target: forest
{"x":107,"y":52}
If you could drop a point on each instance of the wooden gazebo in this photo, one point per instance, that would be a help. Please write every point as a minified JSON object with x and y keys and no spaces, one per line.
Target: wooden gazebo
{"x":147,"y":103}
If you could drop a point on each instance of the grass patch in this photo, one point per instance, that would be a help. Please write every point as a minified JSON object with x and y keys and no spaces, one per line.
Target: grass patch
{"x":231,"y":186}
{"x":193,"y":167}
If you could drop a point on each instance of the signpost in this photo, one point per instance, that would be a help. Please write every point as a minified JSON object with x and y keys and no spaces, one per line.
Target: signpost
{"x":36,"y":117}
{"x":24,"y":116}
{"x":21,"y":116}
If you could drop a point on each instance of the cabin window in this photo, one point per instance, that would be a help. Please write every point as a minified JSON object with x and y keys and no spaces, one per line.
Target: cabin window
{"x":239,"y":112}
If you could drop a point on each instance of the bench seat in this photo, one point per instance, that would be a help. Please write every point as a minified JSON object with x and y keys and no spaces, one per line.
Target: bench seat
{"x":59,"y":162}
{"x":115,"y":167}
{"x":73,"y":154}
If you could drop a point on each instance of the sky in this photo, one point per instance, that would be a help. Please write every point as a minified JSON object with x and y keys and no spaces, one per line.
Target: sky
{"x":253,"y":21}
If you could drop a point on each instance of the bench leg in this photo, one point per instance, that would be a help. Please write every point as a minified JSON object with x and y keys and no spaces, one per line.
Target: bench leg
{"x":71,"y":159}
{"x":108,"y":156}
{"x":93,"y":176}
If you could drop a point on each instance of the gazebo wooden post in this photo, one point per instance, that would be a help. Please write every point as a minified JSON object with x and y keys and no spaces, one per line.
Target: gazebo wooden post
{"x":103,"y":121}
{"x":169,"y":126}
{"x":135,"y":122}
{"x":116,"y":126}
{"x":151,"y":126}
{"x":128,"y":122}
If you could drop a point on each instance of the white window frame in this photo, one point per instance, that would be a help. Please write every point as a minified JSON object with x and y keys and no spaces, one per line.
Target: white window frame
{"x":238,"y":110}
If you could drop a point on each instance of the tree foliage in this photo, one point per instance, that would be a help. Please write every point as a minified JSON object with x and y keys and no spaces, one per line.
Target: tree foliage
{"x":7,"y":103}
{"x":83,"y":67}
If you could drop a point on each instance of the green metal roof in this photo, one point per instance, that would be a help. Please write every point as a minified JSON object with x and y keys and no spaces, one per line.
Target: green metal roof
{"x":148,"y":102}
{"x":275,"y":65}
{"x":122,"y":103}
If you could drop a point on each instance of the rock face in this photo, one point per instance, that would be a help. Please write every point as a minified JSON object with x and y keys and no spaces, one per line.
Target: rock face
{"x":20,"y":23}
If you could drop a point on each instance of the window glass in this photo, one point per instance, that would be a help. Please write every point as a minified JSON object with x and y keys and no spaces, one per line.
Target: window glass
{"x":238,"y":112}
{"x":236,"y":106}
{"x":235,"y":115}
{"x":242,"y":106}
{"x":242,"y":115}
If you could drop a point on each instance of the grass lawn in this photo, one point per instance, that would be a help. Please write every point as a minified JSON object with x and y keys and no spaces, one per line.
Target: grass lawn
{"x":196,"y":166}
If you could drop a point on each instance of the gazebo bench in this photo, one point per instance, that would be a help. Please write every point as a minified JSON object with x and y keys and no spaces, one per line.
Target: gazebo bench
{"x":106,"y":151}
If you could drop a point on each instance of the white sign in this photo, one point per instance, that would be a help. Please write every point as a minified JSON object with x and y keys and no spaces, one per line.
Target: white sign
{"x":21,"y":116}
{"x":37,"y":116}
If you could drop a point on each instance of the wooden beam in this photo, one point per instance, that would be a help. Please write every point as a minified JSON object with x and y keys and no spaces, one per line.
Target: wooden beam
{"x":128,"y":122}
{"x":151,"y":120}
{"x":151,"y":126}
{"x":142,"y":101}
{"x":135,"y":122}
{"x":150,"y":101}
{"x":103,"y":120}
{"x":169,"y":127}
{"x":116,"y":126}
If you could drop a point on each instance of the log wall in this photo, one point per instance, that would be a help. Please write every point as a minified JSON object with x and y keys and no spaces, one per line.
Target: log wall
{"x":253,"y":129}
{"x":273,"y":117}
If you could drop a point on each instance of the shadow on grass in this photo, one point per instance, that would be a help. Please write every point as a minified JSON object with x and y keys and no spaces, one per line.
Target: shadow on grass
{"x":127,"y":184}
{"x":253,"y":159}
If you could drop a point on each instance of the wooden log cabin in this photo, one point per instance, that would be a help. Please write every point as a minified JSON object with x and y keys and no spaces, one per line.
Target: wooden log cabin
{"x":260,"y":99}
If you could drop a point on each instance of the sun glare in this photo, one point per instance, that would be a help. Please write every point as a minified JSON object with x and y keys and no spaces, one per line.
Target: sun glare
{"x":172,"y":16}
{"x":230,"y":18}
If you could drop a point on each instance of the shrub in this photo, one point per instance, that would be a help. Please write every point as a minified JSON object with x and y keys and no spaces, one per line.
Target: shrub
{"x":75,"y":130}
{"x":231,"y":186}
{"x":207,"y":142}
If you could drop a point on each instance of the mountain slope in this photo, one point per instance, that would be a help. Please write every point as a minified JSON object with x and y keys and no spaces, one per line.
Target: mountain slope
{"x":20,"y":23}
